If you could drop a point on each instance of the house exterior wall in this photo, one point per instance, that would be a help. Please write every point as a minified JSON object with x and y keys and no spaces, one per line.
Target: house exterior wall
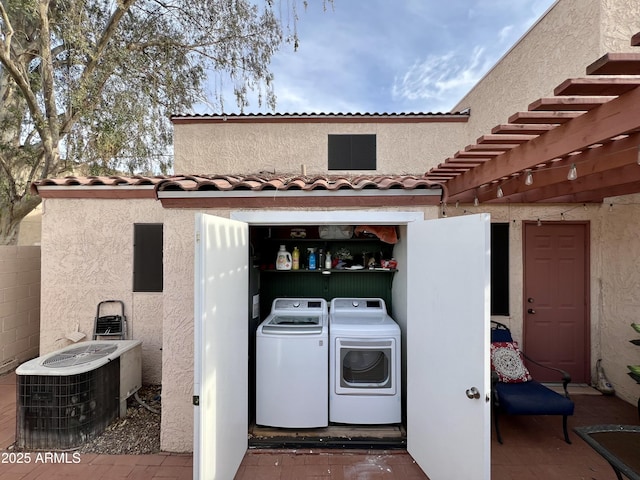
{"x":87,"y":257}
{"x":19,"y":305}
{"x":176,"y":433}
{"x":282,"y":148}
{"x":572,"y":35}
{"x":618,"y":289}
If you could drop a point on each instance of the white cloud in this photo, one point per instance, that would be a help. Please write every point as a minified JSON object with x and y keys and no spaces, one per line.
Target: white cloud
{"x":438,"y":81}
{"x":505,"y":33}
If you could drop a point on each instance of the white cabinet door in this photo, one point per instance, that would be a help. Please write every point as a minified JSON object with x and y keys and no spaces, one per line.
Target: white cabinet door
{"x":448,"y":433}
{"x":221,"y":346}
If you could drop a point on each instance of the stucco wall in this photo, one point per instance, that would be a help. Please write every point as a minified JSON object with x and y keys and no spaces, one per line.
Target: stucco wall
{"x":176,"y":434}
{"x":87,"y":257}
{"x":572,"y":35}
{"x":281,"y":148}
{"x":19,"y":305}
{"x":619,"y":289}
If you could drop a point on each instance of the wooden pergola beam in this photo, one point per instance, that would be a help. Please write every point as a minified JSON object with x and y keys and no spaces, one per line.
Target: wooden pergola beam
{"x":569,"y":103}
{"x":523,"y":129}
{"x":616,"y":64}
{"x":596,"y":86}
{"x":616,"y":117}
{"x":544,"y":117}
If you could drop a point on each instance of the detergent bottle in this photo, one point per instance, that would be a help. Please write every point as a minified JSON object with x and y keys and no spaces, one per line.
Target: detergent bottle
{"x":296,"y":258}
{"x":283,"y":259}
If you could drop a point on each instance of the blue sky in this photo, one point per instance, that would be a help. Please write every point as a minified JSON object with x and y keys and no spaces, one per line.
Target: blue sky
{"x":394,"y":56}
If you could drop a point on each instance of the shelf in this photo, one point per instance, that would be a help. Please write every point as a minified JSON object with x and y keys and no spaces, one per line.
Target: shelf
{"x":326,"y":240}
{"x":334,"y":270}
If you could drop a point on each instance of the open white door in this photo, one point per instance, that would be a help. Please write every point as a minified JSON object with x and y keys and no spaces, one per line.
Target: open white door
{"x":220,"y":347}
{"x":448,"y":433}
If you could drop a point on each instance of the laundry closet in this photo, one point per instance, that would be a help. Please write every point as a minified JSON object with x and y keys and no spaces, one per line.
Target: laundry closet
{"x":297,"y":270}
{"x":438,"y":293}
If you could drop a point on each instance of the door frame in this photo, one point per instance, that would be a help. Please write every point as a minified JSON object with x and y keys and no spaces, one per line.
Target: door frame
{"x":587,"y":284}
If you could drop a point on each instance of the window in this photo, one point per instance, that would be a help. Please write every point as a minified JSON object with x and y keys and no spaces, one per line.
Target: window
{"x":352,"y":152}
{"x":147,"y":257}
{"x":499,"y":269}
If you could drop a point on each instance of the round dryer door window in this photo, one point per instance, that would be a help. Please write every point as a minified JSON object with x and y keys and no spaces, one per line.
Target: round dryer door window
{"x":364,"y":367}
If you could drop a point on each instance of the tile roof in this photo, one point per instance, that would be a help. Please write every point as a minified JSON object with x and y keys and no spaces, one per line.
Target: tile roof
{"x":109,"y":186}
{"x":283,"y":182}
{"x":322,"y":117}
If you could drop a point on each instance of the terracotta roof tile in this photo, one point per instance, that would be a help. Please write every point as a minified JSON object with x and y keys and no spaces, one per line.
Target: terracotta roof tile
{"x":250,"y":182}
{"x":329,"y":183}
{"x":99,"y":181}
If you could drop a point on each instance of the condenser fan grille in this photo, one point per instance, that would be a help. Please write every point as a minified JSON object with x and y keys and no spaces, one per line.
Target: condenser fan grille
{"x":79,"y":355}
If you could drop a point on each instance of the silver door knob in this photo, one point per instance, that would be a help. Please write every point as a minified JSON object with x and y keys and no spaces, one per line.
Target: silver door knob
{"x":473,"y":393}
{"x":531,"y":311}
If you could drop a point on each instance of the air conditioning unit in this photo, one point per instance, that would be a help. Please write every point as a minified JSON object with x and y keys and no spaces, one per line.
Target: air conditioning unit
{"x":70,"y":396}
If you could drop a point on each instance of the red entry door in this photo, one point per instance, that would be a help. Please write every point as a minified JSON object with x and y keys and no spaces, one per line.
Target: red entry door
{"x":556,"y":299}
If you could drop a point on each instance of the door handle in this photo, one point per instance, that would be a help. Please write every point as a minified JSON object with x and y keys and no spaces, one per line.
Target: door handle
{"x":531,"y":311}
{"x":473,"y":393}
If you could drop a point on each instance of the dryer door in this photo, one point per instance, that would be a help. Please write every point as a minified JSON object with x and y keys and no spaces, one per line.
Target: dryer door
{"x":365,"y":366}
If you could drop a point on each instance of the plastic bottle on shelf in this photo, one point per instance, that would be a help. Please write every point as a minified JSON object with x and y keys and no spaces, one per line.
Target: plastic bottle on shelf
{"x":296,"y":258}
{"x":327,"y":261}
{"x":312,"y":258}
{"x":283,"y":259}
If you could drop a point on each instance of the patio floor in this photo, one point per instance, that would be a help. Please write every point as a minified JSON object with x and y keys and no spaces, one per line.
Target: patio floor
{"x":533,"y":449}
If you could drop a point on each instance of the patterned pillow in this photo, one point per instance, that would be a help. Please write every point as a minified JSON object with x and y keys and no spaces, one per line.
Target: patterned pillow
{"x":506,"y":360}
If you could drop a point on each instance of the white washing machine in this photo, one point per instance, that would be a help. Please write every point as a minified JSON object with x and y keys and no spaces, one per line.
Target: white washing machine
{"x":292,"y":373}
{"x":364,"y":365}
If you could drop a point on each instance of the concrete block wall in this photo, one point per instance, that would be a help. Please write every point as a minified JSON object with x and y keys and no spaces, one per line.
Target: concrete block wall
{"x":19,"y":305}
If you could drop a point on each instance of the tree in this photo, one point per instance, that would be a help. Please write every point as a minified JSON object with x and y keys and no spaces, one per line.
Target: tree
{"x":88,"y":86}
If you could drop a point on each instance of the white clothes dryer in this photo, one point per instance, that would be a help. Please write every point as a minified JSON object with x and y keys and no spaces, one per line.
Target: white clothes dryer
{"x":364,"y":363}
{"x":292,"y":364}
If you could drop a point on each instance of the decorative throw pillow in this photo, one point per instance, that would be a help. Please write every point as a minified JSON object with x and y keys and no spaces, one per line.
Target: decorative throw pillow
{"x":506,"y":360}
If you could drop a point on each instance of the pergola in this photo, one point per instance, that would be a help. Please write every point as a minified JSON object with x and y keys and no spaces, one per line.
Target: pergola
{"x":579,"y":146}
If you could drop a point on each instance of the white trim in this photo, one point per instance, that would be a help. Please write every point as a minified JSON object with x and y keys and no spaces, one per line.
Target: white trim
{"x":296,"y":193}
{"x":330,"y":217}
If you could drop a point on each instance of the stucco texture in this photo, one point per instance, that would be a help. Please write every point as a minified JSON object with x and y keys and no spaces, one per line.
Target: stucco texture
{"x":282,"y":148}
{"x":619,"y":287}
{"x":87,"y":257}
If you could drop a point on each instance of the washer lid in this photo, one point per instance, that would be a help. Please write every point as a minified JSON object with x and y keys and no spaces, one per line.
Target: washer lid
{"x":294,"y":320}
{"x":305,"y":324}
